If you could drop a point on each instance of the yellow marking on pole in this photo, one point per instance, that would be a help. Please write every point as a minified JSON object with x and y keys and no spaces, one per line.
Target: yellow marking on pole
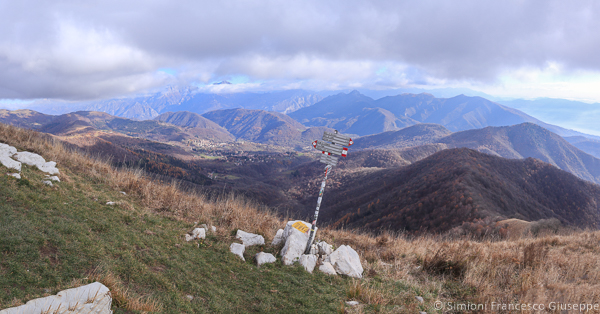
{"x":300,"y":226}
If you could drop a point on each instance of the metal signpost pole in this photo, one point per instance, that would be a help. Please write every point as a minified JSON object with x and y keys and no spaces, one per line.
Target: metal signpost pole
{"x":332,"y":148}
{"x":311,"y":237}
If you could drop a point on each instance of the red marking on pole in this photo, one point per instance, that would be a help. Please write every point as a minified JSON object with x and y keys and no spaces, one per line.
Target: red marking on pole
{"x":350,"y":142}
{"x":344,"y":152}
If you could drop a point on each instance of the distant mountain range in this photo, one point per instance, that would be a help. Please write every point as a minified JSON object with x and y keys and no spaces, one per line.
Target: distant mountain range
{"x":185,"y":99}
{"x":515,"y":142}
{"x":455,"y":186}
{"x":362,"y":115}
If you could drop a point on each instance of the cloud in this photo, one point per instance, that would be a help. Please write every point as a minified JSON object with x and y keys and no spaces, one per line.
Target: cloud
{"x":78,"y":50}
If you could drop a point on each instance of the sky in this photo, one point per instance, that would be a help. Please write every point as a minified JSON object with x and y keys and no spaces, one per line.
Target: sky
{"x":84,"y":50}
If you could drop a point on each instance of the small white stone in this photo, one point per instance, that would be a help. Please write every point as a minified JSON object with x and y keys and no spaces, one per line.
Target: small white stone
{"x":238,"y":249}
{"x":352,"y":303}
{"x":110,"y":203}
{"x":325,"y":249}
{"x":420,"y":299}
{"x":16,"y":175}
{"x":278,"y":239}
{"x":263,"y":258}
{"x":327,"y":268}
{"x":188,"y":237}
{"x":48,"y":183}
{"x":123,"y":193}
{"x":213,"y":228}
{"x":53,"y":178}
{"x":308,"y":261}
{"x":250,"y":239}
{"x":199,"y":233}
{"x":189,"y":297}
{"x":346,"y":262}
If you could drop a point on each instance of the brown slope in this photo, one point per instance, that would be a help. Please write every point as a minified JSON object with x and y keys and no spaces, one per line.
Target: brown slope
{"x":528,"y":140}
{"x":415,"y":135}
{"x":461,"y":185}
{"x":259,"y":125}
{"x":197,"y":124}
{"x":24,"y":118}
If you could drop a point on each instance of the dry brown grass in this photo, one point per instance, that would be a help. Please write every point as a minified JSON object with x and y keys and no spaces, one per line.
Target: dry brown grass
{"x":121,"y":297}
{"x":541,"y":269}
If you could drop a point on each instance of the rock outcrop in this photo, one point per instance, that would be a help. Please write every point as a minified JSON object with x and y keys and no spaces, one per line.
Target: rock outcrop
{"x":295,"y":241}
{"x":93,"y":298}
{"x":250,"y":239}
{"x":264,"y":258}
{"x":346,"y":261}
{"x":238,"y":249}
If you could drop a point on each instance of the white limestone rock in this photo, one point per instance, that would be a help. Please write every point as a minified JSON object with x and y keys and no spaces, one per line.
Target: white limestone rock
{"x":327,"y":268}
{"x":188,"y":237}
{"x":9,"y":163}
{"x":346,"y":261}
{"x":16,"y":175}
{"x":53,"y":178}
{"x":325,"y":249}
{"x":33,"y":159}
{"x":263,"y":258}
{"x":199,"y":233}
{"x":250,"y":239}
{"x":48,"y":183}
{"x":7,"y":150}
{"x":278,"y":239}
{"x":352,"y":303}
{"x":308,"y":261}
{"x":213,"y":229}
{"x":92,"y":298}
{"x":238,"y":249}
{"x":110,"y":203}
{"x":295,"y":242}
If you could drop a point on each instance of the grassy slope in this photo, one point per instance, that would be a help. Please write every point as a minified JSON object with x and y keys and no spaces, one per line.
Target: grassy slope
{"x":54,"y":238}
{"x":137,"y":249}
{"x":51,"y":235}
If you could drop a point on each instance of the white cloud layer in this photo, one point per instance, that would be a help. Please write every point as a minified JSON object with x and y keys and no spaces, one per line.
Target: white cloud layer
{"x":81,"y":49}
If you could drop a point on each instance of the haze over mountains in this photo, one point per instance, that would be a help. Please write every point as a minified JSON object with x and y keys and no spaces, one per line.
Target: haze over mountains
{"x":185,"y":99}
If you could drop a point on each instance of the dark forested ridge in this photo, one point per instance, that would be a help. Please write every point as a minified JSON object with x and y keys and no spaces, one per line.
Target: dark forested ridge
{"x":461,"y":185}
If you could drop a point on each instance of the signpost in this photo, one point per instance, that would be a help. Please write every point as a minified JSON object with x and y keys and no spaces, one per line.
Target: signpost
{"x":332,"y":146}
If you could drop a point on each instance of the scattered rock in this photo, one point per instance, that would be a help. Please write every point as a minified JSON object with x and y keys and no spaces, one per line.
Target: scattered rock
{"x":110,"y":203}
{"x":213,"y":228}
{"x":295,"y":242}
{"x":53,"y":178}
{"x":346,"y":262}
{"x":250,"y":239}
{"x":199,"y":233}
{"x":92,"y":298}
{"x":352,"y":303}
{"x":327,"y":268}
{"x":9,"y":163}
{"x":189,"y":297}
{"x":16,"y":175}
{"x":422,"y":312}
{"x":420,"y":299}
{"x":123,"y":193}
{"x":238,"y":249}
{"x":188,"y":237}
{"x":48,"y":183}
{"x":325,"y":249}
{"x":205,"y":226}
{"x":7,"y":150}
{"x":309,"y":262}
{"x":278,"y":239}
{"x":32,"y":159}
{"x":263,"y":258}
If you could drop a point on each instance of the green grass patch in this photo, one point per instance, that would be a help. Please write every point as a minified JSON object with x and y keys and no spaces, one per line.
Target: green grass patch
{"x":50,"y":236}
